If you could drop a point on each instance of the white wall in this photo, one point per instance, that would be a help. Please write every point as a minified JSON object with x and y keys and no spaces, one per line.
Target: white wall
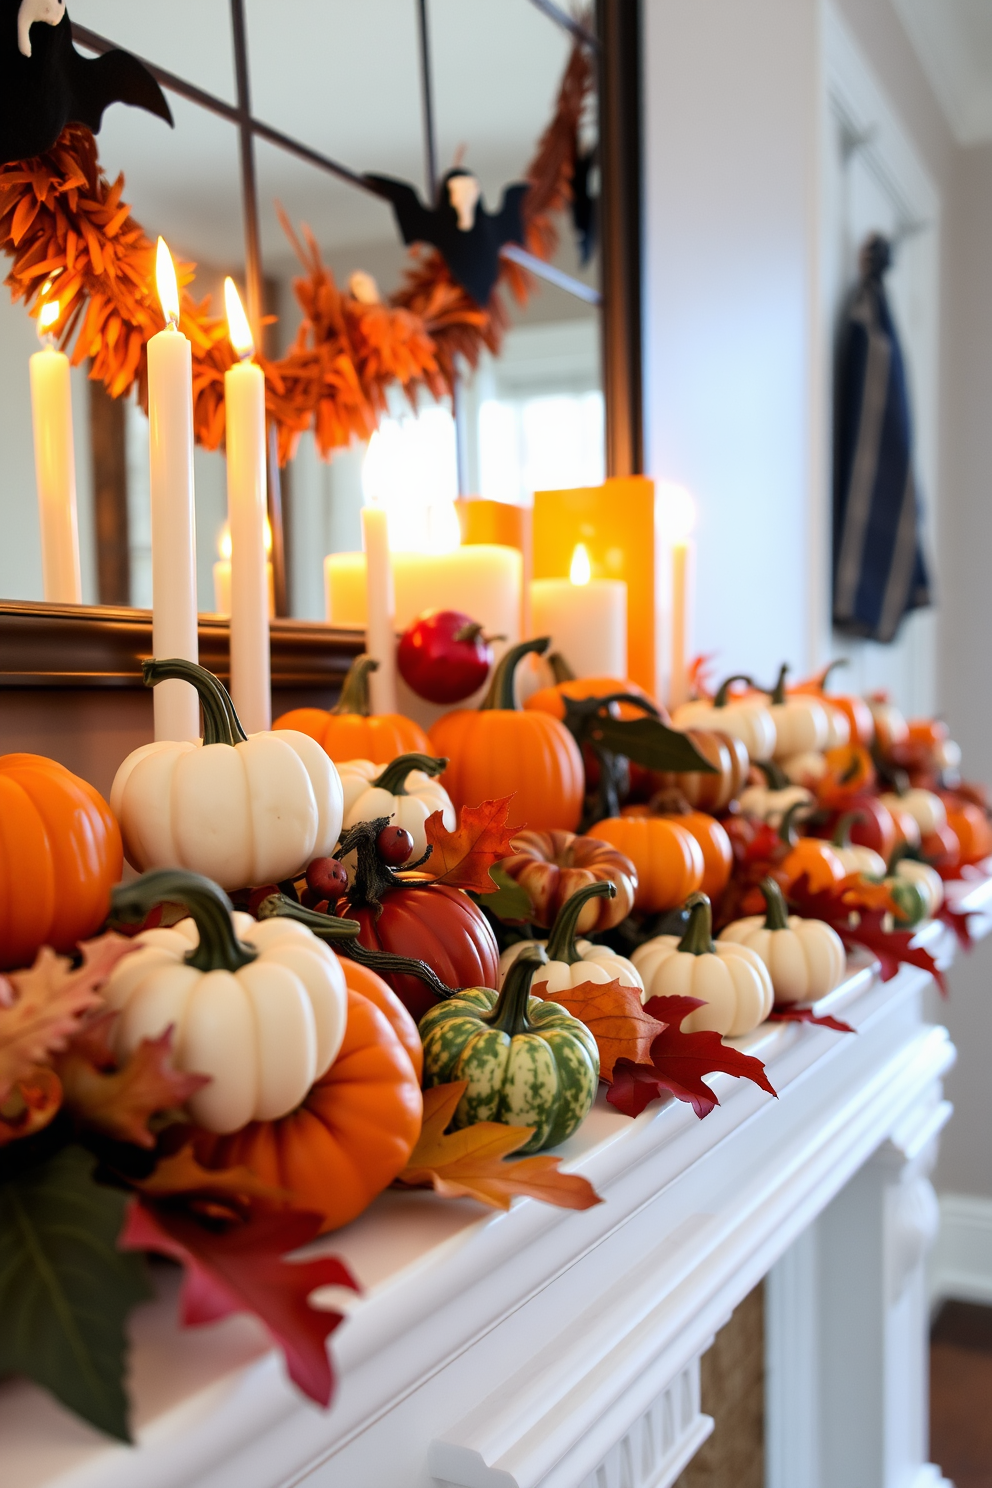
{"x":730,"y":182}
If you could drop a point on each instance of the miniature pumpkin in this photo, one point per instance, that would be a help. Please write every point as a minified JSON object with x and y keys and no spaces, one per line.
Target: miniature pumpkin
{"x":970,"y":825}
{"x":259,"y":1006}
{"x":552,"y":699}
{"x":809,"y":769}
{"x":60,"y":855}
{"x":351,"y":730}
{"x":729,"y":757}
{"x":501,"y":750}
{"x":942,"y":850}
{"x":926,"y":879}
{"x":551,"y":866}
{"x":808,"y":856}
{"x":527,"y":1062}
{"x":413,"y":917}
{"x":238,"y":810}
{"x":748,"y":718}
{"x":805,"y":958}
{"x":854,"y":708}
{"x":403,"y":790}
{"x":771,"y":801}
{"x":891,"y":727}
{"x":873,"y":824}
{"x":925,"y":807}
{"x":668,"y":859}
{"x":367,"y":983}
{"x":714,"y":844}
{"x":731,"y":980}
{"x":801,"y":722}
{"x":571,"y":962}
{"x":351,"y":1134}
{"x":856,"y":858}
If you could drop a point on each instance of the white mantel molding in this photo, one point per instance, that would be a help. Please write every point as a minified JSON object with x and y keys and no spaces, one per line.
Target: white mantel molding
{"x":540,"y":1348}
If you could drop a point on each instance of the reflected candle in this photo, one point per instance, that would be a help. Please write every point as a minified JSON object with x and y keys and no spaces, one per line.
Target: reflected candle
{"x":55,"y":465}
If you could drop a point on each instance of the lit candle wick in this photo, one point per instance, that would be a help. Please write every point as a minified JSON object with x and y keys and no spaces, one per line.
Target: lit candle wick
{"x":167,"y":285}
{"x":581,"y":569}
{"x":238,"y":330}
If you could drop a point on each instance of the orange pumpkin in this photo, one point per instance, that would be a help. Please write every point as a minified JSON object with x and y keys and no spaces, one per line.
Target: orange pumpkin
{"x":809,"y":856}
{"x":501,"y":750}
{"x":854,"y":708}
{"x":971,"y":827}
{"x":714,"y":844}
{"x":351,"y":1136}
{"x":351,"y":730}
{"x":367,"y":983}
{"x":552,"y":699}
{"x":726,"y":753}
{"x":669,"y":861}
{"x":60,"y":855}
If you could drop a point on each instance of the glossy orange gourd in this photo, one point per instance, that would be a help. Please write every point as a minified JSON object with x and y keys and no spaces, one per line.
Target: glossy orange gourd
{"x":350,"y":730}
{"x":714,"y":844}
{"x":552,"y":699}
{"x":499,"y":750}
{"x":60,"y":855}
{"x":971,"y":826}
{"x":668,"y":859}
{"x":808,"y":857}
{"x":728,"y":756}
{"x":351,"y":1136}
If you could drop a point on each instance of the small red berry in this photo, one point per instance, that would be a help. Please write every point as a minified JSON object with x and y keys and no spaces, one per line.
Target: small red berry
{"x":327,"y":878}
{"x":394,"y":845}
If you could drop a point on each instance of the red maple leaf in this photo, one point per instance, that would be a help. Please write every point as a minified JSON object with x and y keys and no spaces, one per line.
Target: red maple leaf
{"x":864,"y":927}
{"x":678,"y":1062}
{"x":960,"y":923}
{"x":243,"y":1269}
{"x":463,"y":858}
{"x":806,"y":1015}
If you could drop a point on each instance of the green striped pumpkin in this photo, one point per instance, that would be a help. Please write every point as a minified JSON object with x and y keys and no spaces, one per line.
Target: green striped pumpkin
{"x":527,"y":1062}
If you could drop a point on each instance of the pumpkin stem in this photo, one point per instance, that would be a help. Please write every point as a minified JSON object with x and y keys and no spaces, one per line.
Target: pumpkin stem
{"x":777,"y":695}
{"x":561,"y":942}
{"x":842,"y":832}
{"x":698,"y":937}
{"x":208,"y":906}
{"x":355,"y":688}
{"x":777,"y":916}
{"x":560,"y":669}
{"x":221,"y":724}
{"x":500,"y":694}
{"x":787,"y":827}
{"x":775,"y":776}
{"x":510,"y":1013}
{"x":840,"y":661}
{"x":343,"y":936}
{"x":393,"y":777}
{"x":722,"y":698}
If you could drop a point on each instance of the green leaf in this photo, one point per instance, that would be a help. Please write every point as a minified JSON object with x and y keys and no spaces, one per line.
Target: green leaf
{"x":509,"y":900}
{"x":65,"y":1288}
{"x":649,"y":742}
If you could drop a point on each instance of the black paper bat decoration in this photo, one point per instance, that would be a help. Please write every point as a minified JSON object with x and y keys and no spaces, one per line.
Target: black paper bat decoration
{"x":45,"y":84}
{"x":458,"y":226}
{"x":585,"y":204}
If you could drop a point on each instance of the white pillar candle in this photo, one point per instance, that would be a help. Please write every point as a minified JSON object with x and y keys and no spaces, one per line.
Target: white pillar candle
{"x":380,"y":624}
{"x":586,"y":619}
{"x":683,"y":586}
{"x":55,"y":466}
{"x":222,"y":588}
{"x":170,"y":419}
{"x":244,"y":400}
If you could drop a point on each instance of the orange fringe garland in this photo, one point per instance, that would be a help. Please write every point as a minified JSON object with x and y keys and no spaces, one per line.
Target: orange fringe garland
{"x":62,"y":219}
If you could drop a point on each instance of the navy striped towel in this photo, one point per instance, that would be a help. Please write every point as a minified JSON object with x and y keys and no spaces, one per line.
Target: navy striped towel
{"x":879,"y":569}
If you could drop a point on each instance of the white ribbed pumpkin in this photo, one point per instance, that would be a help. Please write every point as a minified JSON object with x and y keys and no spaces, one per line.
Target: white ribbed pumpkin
{"x":403,"y":790}
{"x":572,"y":962}
{"x":805,"y":958}
{"x":747,"y":718}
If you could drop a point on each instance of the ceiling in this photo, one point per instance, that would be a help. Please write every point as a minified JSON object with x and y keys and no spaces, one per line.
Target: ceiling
{"x":953,"y":40}
{"x":344,"y":78}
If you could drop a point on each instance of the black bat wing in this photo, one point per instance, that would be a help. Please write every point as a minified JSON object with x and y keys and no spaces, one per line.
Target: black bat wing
{"x":508,"y":222}
{"x":416,"y":222}
{"x":116,"y":77}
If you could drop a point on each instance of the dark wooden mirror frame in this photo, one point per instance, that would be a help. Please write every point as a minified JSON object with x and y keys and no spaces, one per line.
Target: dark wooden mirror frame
{"x":54,"y":647}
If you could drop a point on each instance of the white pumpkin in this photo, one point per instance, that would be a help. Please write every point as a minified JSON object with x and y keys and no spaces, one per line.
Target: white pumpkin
{"x":731,"y":979}
{"x":403,"y":790}
{"x":927,"y":879}
{"x":805,"y":958}
{"x":570,"y":961}
{"x":925,"y":807}
{"x":838,"y":725}
{"x":855,"y":858}
{"x":801,"y":722}
{"x":261,"y":1010}
{"x":747,"y":719}
{"x":806,"y":769}
{"x":773,"y":801}
{"x":239,"y":810}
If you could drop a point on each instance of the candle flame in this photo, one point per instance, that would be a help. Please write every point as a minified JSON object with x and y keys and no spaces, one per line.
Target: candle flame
{"x":166,"y":283}
{"x":48,"y":315}
{"x":238,"y":329}
{"x":224,"y":545}
{"x":581,"y":569}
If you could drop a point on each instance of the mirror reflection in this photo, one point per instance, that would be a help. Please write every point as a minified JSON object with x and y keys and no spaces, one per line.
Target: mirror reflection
{"x":529,"y":415}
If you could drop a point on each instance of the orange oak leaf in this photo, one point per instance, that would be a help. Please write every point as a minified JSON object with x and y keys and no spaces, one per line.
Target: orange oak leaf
{"x":614,"y":1015}
{"x":179,"y":1173}
{"x":469,"y":1163}
{"x":121,"y":1102}
{"x":858,"y":893}
{"x":464,"y":857}
{"x":44,"y":1009}
{"x":30,"y":1104}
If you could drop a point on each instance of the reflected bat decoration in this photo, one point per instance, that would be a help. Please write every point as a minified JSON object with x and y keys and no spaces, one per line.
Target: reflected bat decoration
{"x":45,"y":83}
{"x":585,"y":203}
{"x":458,"y":226}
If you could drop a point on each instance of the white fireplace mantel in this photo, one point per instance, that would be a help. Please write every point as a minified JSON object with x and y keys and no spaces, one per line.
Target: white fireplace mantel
{"x":549,"y":1349}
